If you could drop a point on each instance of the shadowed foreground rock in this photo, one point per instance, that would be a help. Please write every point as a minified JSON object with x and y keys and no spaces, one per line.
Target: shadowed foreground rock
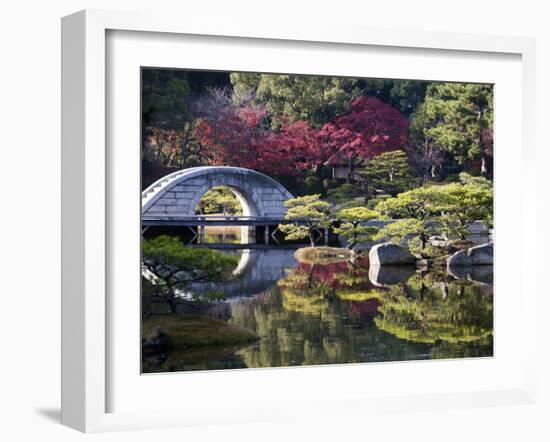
{"x":478,"y":255}
{"x":157,"y":341}
{"x":390,"y":254}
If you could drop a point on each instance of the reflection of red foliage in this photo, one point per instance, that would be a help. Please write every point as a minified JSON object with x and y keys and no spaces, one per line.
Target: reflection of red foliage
{"x":338,"y":275}
{"x":367,"y":308}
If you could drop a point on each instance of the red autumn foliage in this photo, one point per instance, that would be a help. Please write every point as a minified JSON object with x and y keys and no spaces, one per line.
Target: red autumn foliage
{"x":370,"y":128}
{"x":238,"y":137}
{"x":302,"y":144}
{"x":241,"y":137}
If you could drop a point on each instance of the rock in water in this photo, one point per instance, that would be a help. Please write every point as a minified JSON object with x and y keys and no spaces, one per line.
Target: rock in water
{"x":478,"y":255}
{"x":386,"y":276}
{"x":390,"y":254}
{"x":478,"y":274}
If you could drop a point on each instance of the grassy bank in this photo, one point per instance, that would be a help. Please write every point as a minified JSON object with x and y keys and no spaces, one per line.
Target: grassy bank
{"x":322,"y":255}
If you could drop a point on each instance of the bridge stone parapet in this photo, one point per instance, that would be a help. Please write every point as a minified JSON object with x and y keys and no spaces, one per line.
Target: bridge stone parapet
{"x":179,"y":193}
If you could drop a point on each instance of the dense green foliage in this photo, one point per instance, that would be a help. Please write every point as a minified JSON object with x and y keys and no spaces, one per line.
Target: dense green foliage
{"x":173,"y":265}
{"x":390,"y":172}
{"x":313,"y":185}
{"x":219,"y":199}
{"x":352,"y":225}
{"x":461,"y":205}
{"x":445,"y":209}
{"x":318,"y":99}
{"x":456,"y":119}
{"x":309,"y":213}
{"x":421,"y":203}
{"x":403,"y":230}
{"x":344,"y":193}
{"x":300,"y":97}
{"x":479,"y":181}
{"x":165,"y":97}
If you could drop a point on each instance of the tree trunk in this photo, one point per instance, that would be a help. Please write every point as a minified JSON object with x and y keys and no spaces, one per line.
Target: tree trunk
{"x":318,"y":171}
{"x":351,"y":170}
{"x":352,"y":241}
{"x":483,"y":164}
{"x":423,"y":241}
{"x":311,"y":239}
{"x":310,"y":277}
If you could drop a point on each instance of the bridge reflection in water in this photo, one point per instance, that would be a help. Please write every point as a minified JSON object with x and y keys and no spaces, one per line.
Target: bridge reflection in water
{"x":258,"y":270}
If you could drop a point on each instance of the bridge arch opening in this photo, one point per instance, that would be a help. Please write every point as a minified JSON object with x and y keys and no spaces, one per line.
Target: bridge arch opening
{"x":226,"y":201}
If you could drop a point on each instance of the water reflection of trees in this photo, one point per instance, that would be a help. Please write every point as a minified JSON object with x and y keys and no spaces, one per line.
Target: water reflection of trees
{"x":309,"y":288}
{"x":322,"y":314}
{"x":332,"y":335}
{"x":428,"y":310}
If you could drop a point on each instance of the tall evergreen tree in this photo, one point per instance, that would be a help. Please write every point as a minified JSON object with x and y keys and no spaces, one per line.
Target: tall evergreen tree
{"x":457,"y":118}
{"x":309,"y":98}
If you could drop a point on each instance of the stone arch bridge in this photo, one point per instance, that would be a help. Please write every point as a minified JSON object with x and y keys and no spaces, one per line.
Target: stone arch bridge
{"x":177,"y":194}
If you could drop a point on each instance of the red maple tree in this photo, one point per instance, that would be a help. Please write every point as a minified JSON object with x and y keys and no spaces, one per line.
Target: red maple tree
{"x":370,"y":128}
{"x":300,"y":144}
{"x":241,"y":137}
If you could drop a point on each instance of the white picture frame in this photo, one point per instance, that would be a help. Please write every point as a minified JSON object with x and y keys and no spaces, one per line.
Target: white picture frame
{"x":86,"y":316}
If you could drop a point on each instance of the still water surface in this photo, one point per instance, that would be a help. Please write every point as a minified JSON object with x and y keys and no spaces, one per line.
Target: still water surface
{"x":334,"y":313}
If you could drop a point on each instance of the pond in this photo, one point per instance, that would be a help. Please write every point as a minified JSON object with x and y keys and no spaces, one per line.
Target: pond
{"x":285,"y":313}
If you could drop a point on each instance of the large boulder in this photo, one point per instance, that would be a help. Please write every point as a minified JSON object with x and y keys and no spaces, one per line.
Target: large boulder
{"x":388,"y":254}
{"x":478,"y":255}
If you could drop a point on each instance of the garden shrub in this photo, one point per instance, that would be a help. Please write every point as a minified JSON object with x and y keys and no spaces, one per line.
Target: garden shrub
{"x":343,"y":193}
{"x":313,"y":185}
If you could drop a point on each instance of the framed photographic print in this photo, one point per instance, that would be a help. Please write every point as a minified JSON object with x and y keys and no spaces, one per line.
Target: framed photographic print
{"x":264,"y":194}
{"x":277,"y":210}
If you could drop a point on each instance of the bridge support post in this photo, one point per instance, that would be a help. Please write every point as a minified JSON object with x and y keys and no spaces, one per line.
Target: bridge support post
{"x":201,"y":234}
{"x":248,"y":234}
{"x":326,"y":236}
{"x":266,"y":235}
{"x":194,"y":230}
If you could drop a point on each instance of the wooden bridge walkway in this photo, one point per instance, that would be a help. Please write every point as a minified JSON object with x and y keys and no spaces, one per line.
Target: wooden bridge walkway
{"x":215,"y":220}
